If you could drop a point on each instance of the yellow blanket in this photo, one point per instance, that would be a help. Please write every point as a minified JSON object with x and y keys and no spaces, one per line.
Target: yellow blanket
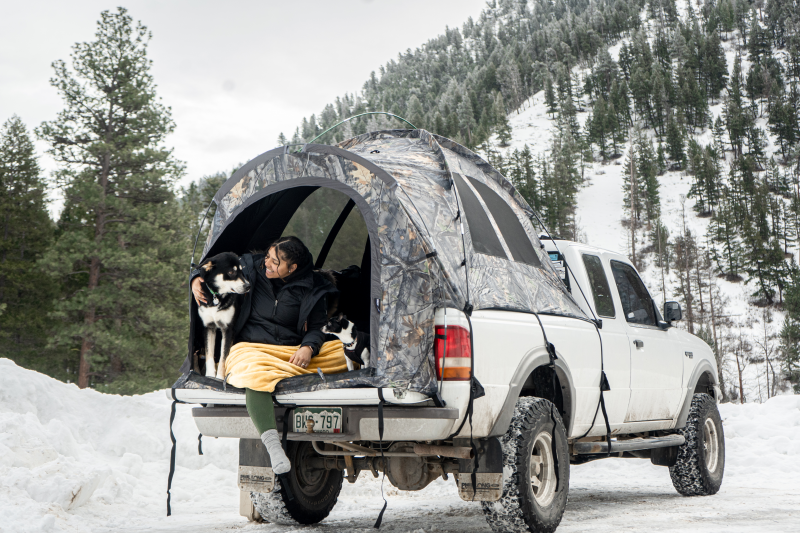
{"x":261,"y":366}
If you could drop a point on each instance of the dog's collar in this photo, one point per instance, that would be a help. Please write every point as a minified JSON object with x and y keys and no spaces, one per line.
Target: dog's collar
{"x":213,"y":294}
{"x":350,"y":345}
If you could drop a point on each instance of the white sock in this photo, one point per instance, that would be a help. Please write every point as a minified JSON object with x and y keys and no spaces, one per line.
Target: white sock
{"x":280,"y":463}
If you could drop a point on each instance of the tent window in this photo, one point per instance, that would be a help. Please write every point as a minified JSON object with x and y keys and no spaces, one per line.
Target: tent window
{"x":484,"y":239}
{"x":315,"y":217}
{"x":514,"y":234}
{"x":348,"y":248}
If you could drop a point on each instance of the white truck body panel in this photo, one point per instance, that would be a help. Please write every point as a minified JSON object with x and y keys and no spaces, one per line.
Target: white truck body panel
{"x":659,"y":369}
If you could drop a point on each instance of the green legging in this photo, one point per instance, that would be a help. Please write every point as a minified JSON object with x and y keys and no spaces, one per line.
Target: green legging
{"x":260,"y":409}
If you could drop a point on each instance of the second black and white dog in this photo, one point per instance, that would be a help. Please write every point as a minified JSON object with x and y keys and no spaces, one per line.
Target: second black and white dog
{"x":356,"y":343}
{"x":223,"y":285}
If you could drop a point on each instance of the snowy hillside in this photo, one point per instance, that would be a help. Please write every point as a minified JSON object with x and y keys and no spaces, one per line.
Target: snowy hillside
{"x":77,"y":460}
{"x":602,"y":219}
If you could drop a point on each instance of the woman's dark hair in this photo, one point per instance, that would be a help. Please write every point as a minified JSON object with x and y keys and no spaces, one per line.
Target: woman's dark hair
{"x":292,"y":250}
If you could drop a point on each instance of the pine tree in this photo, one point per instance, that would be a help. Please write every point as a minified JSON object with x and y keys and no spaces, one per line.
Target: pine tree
{"x":121,"y":249}
{"x":724,"y":233}
{"x":715,"y":66}
{"x":783,"y":121}
{"x":296,"y":138}
{"x":736,"y":118}
{"x":523,"y":177}
{"x":550,"y":96}
{"x":197,"y":206}
{"x":686,"y":256}
{"x":790,"y":333}
{"x":26,"y":291}
{"x":282,"y":141}
{"x":648,"y":177}
{"x":414,"y":112}
{"x":560,"y":181}
{"x":719,"y":134}
{"x":504,"y":133}
{"x":619,"y":99}
{"x":643,"y":195}
{"x":501,"y":121}
{"x":597,"y":123}
{"x":675,"y":142}
{"x":466,"y":120}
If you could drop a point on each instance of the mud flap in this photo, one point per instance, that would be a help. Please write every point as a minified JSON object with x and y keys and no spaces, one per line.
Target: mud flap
{"x":255,"y":469}
{"x":664,"y":456}
{"x":488,"y":474}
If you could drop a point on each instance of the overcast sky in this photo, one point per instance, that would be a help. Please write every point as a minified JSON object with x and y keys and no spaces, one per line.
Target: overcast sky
{"x":235,"y":73}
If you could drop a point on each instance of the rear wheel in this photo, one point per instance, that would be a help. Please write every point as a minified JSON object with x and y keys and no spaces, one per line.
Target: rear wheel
{"x":536,"y":471}
{"x":701,"y":459}
{"x":312,"y":491}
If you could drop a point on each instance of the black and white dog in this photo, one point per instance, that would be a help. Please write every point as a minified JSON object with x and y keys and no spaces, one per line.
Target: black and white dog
{"x":223,"y":287}
{"x":356,"y":343}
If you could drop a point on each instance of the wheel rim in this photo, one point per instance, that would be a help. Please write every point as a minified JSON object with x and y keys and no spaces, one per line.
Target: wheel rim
{"x":710,"y":445}
{"x":543,"y":475}
{"x":311,"y":481}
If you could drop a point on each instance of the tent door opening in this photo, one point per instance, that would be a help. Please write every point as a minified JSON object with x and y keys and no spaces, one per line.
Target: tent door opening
{"x":329,"y":223}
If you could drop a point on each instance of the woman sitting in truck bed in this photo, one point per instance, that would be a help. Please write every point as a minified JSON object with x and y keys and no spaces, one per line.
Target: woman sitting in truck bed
{"x":270,"y":345}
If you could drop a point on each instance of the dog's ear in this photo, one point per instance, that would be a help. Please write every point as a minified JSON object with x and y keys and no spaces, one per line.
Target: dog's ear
{"x":208,"y":265}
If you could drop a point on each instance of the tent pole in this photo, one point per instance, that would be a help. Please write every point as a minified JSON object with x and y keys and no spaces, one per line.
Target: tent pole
{"x":361,"y":115}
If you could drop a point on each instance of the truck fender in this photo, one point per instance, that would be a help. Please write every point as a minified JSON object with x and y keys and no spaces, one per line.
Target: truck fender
{"x":527,"y":365}
{"x":704,"y":370}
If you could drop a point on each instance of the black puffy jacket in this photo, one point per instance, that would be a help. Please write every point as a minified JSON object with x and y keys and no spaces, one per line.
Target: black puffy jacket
{"x":285,"y":313}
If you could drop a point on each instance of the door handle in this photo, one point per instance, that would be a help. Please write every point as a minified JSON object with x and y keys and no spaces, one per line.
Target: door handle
{"x":638,"y":343}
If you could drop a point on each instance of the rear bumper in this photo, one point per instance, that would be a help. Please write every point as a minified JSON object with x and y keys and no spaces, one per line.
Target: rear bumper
{"x":359,"y":423}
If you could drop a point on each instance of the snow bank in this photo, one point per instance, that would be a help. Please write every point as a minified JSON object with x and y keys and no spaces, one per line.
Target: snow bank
{"x":77,"y":460}
{"x":67,"y":456}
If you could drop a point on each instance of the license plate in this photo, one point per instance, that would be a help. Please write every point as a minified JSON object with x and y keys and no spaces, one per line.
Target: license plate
{"x":326,"y":419}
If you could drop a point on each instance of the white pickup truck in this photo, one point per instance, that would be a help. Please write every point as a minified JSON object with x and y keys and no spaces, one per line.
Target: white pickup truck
{"x":542,"y":411}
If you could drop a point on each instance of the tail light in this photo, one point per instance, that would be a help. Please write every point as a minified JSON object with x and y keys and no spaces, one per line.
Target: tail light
{"x":455,"y":364}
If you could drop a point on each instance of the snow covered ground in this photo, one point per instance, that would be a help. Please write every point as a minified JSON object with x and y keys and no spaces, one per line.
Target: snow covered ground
{"x":78,"y":461}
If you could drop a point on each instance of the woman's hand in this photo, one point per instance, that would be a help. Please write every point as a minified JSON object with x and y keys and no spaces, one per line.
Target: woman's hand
{"x":301,"y":357}
{"x":197,"y":290}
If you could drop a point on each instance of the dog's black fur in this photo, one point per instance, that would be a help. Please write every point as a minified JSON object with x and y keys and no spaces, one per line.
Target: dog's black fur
{"x":223,"y":285}
{"x":356,"y":343}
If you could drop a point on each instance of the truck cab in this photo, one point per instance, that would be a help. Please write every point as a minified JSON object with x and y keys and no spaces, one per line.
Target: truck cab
{"x":650,"y":363}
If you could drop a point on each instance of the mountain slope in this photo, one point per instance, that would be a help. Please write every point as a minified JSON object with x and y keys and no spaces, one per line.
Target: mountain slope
{"x":743,"y":330}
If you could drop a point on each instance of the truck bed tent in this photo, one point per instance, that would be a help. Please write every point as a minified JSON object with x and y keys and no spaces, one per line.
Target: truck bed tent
{"x":414,"y":189}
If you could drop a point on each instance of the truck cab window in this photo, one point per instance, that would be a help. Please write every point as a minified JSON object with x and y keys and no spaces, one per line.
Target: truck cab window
{"x":599,"y":283}
{"x":636,"y":302}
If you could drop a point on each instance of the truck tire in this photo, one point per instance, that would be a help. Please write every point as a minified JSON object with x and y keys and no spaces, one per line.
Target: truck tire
{"x":314,"y":491}
{"x":701,"y":459}
{"x":536,"y":471}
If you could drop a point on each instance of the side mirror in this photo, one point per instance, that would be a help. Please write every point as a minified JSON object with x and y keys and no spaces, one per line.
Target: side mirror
{"x":672,"y":311}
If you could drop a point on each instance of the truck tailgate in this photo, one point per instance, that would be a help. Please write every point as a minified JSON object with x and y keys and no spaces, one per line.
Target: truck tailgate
{"x":360,"y":396}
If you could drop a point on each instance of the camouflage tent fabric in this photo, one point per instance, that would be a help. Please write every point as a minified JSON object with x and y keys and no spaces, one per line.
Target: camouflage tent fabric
{"x":413,"y":189}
